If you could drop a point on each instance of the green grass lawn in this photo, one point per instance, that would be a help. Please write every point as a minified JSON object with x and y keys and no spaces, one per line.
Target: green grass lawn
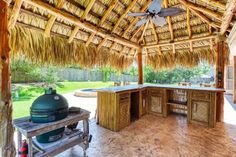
{"x":21,"y":107}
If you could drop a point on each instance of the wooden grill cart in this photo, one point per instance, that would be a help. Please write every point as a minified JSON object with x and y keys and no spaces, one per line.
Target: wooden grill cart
{"x":30,"y":130}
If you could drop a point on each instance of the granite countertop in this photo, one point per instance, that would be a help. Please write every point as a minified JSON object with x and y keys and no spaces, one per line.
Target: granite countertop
{"x":135,"y":87}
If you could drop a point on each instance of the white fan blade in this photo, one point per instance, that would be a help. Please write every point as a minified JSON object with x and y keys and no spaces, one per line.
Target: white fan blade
{"x":159,"y":21}
{"x":141,"y":22}
{"x":170,"y":11}
{"x":138,"y":14}
{"x":155,"y":6}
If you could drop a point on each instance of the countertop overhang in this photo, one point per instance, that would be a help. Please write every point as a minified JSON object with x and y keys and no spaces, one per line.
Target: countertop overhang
{"x":117,"y":89}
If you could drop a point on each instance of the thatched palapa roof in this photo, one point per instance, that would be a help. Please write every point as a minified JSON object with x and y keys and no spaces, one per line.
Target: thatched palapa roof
{"x":99,"y":32}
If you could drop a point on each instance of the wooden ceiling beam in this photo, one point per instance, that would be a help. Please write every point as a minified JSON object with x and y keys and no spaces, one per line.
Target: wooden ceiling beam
{"x":228,"y":15}
{"x":136,"y":18}
{"x":214,"y":3}
{"x":52,"y":19}
{"x":75,"y":31}
{"x":179,"y":42}
{"x":88,"y":8}
{"x":169,"y":21}
{"x":106,"y":14}
{"x":101,"y":44}
{"x":144,"y":29}
{"x":203,"y":17}
{"x":84,"y":25}
{"x":90,"y":39}
{"x":182,"y":49}
{"x":136,"y":32}
{"x":73,"y":34}
{"x":204,"y":10}
{"x":188,"y":24}
{"x":124,"y":14}
{"x":15,"y":13}
{"x":154,"y":31}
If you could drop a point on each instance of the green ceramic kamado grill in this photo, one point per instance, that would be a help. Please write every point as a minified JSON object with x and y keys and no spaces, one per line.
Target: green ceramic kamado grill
{"x":47,"y":108}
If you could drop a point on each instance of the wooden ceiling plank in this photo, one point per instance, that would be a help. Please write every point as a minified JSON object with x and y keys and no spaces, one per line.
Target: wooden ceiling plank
{"x":169,"y":21}
{"x":15,"y":13}
{"x":52,"y":19}
{"x":124,"y":14}
{"x":228,"y":15}
{"x":180,"y":42}
{"x":106,"y":14}
{"x":136,"y":18}
{"x":200,"y":15}
{"x":84,"y":25}
{"x":73,"y":34}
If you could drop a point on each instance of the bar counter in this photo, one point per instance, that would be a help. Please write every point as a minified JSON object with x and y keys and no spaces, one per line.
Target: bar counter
{"x":119,"y":106}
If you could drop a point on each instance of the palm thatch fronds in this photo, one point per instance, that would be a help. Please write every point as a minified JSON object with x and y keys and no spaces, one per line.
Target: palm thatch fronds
{"x":169,"y":60}
{"x":57,"y":51}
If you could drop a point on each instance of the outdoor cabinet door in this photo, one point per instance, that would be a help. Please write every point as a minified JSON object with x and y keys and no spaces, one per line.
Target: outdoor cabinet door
{"x":156,"y":101}
{"x":124,"y":110}
{"x":200,"y":111}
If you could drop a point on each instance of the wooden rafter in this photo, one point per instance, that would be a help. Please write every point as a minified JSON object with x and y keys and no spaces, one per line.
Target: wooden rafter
{"x":84,"y":25}
{"x":112,"y":47}
{"x":214,"y":3}
{"x":199,"y":14}
{"x":90,"y":39}
{"x":228,"y":15}
{"x":15,"y":13}
{"x":101,"y":44}
{"x":204,"y":10}
{"x":169,"y":21}
{"x":75,"y":31}
{"x":173,"y":47}
{"x":144,"y":29}
{"x":136,"y":18}
{"x":136,"y":32}
{"x":52,"y":19}
{"x":154,"y":31}
{"x":191,"y":46}
{"x":188,"y":24}
{"x":180,"y":42}
{"x":88,"y":8}
{"x":73,"y":34}
{"x":124,"y":14}
{"x":106,"y":14}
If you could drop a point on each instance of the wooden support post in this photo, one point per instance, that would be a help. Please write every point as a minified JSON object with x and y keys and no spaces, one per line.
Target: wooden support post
{"x":234,"y":97}
{"x":7,"y":148}
{"x":140,"y":66}
{"x":220,"y":69}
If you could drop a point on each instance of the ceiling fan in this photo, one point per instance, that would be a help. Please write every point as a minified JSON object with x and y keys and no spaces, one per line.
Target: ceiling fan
{"x":156,"y":14}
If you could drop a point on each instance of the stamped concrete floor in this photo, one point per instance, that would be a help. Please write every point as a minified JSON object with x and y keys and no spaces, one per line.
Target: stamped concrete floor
{"x":153,"y":136}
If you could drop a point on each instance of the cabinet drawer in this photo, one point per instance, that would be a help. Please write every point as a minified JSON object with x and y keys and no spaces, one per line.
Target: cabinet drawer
{"x":201,"y":95}
{"x":200,"y":111}
{"x":156,"y":92}
{"x":124,"y":98}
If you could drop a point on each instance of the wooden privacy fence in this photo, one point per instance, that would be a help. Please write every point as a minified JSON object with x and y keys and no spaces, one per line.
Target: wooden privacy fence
{"x":71,"y":74}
